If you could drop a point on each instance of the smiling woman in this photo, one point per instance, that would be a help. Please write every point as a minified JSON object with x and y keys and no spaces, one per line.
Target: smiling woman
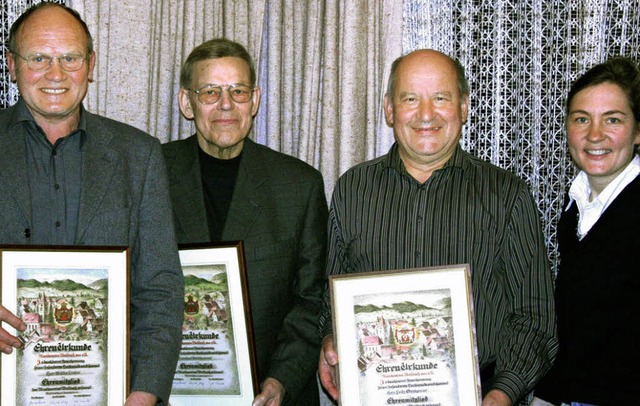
{"x":602,"y":133}
{"x":597,"y":285}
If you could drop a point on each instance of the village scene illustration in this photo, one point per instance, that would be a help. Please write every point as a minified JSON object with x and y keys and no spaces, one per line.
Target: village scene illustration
{"x":206,"y":297}
{"x":417,"y":328}
{"x":64,"y":359}
{"x":405,"y":347}
{"x":207,"y":363}
{"x":62,"y":304}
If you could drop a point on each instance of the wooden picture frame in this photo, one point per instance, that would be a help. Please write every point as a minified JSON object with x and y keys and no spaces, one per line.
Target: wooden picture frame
{"x":217,"y":360}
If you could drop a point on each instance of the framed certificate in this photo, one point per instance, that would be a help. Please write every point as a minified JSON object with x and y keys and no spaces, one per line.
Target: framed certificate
{"x":406,"y":337}
{"x":216,"y":364}
{"x":75,"y":303}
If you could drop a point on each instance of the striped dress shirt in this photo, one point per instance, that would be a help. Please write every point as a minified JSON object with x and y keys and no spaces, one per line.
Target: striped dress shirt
{"x":470,"y":212}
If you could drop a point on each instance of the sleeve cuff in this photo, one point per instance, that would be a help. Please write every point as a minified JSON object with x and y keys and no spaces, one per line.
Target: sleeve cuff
{"x":510,"y":384}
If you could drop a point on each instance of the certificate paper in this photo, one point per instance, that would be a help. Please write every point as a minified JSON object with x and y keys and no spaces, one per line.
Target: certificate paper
{"x":216,"y":360}
{"x":75,"y":307}
{"x":406,"y":337}
{"x":208,"y":360}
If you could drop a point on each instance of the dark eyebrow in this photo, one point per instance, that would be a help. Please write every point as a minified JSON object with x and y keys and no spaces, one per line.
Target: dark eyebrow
{"x":606,"y":113}
{"x":612,"y":112}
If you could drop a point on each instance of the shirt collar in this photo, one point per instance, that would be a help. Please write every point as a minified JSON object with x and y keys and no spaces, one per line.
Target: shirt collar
{"x":21,"y":114}
{"x":393,"y":160}
{"x":580,"y":189}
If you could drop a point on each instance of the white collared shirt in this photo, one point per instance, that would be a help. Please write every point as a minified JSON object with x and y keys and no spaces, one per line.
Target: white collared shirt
{"x":590,"y":212}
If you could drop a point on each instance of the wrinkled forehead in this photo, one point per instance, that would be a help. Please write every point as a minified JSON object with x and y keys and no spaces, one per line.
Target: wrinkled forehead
{"x":427,"y":78}
{"x":51,"y":27}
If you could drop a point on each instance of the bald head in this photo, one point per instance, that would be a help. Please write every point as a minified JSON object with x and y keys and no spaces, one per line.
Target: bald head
{"x":429,"y":56}
{"x":13,"y":43}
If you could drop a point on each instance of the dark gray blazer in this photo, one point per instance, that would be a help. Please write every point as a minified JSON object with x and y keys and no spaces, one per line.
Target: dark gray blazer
{"x":279,"y":211}
{"x":125,"y":202}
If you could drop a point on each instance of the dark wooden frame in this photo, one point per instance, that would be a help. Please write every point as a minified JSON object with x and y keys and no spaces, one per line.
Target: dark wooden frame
{"x":231,"y":255}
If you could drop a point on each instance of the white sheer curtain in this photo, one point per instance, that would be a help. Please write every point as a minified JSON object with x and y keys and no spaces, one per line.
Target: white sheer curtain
{"x":323,"y":70}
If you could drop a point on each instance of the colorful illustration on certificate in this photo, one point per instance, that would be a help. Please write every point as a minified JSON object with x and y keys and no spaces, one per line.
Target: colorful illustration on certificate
{"x":64,"y":360}
{"x":406,"y":351}
{"x":208,"y":362}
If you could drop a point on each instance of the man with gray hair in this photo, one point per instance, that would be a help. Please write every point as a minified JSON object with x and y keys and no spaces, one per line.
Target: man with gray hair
{"x":224,"y":186}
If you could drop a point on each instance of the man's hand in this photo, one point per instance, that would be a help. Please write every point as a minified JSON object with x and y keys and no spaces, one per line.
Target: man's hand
{"x":496,"y":397}
{"x":141,"y":399}
{"x":271,"y":394}
{"x":327,"y":366}
{"x":7,"y":341}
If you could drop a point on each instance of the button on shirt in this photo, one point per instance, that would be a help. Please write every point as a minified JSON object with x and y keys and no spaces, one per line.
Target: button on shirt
{"x":55,"y":178}
{"x":590,"y":211}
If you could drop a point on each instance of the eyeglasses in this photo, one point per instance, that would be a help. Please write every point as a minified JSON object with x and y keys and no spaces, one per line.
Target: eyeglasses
{"x":209,"y":94}
{"x":40,"y":62}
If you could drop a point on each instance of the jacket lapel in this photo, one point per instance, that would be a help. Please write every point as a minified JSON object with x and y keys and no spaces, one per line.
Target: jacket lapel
{"x":246,"y":204}
{"x":186,"y":191}
{"x":99,"y":162}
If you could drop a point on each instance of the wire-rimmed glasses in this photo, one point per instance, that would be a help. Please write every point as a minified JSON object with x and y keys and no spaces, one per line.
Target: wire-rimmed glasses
{"x":40,"y":62}
{"x":209,"y":94}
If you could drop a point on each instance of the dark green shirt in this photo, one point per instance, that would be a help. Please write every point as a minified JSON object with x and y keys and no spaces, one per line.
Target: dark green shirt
{"x":55,"y":180}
